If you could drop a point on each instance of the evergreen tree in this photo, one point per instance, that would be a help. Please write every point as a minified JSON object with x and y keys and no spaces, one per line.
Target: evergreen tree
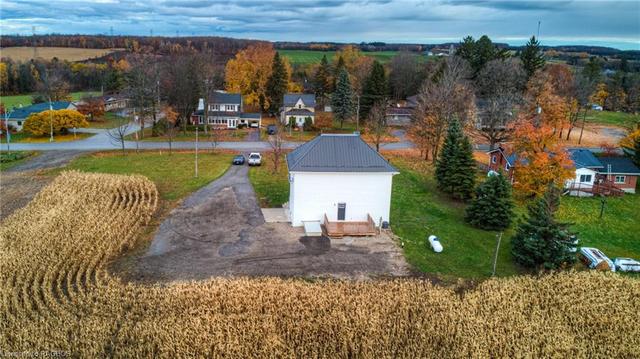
{"x":276,"y":84}
{"x":592,"y":70}
{"x":479,"y":53}
{"x":375,"y":89}
{"x":455,"y":168}
{"x":531,"y":56}
{"x":342,"y":99}
{"x":321,"y":81}
{"x":492,"y":207}
{"x":540,"y":241}
{"x":635,"y":157}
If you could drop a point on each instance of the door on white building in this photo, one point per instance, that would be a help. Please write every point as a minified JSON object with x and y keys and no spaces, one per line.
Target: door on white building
{"x":232,"y":123}
{"x":342,"y":209}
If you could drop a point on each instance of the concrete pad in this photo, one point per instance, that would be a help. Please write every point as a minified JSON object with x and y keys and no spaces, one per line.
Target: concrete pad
{"x":275,"y":215}
{"x":312,"y":229}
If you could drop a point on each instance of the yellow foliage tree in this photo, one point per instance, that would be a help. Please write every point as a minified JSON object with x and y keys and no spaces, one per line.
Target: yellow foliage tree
{"x":4,"y":75}
{"x":600,"y":95}
{"x":248,"y":73}
{"x":40,"y":123}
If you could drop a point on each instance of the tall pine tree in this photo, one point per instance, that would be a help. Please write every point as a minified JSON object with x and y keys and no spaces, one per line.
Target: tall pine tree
{"x":374,"y":91}
{"x":541,"y":241}
{"x":321,"y":83}
{"x":342,"y":99}
{"x":531,"y":57}
{"x":276,"y":84}
{"x":455,"y":168}
{"x":492,"y":207}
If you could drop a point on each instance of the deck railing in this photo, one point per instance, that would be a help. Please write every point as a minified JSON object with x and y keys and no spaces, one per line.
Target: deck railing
{"x":339,"y":229}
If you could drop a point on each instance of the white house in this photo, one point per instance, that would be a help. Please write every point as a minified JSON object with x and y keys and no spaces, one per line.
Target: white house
{"x":225,"y":110}
{"x":341,"y":177}
{"x":299,"y":107}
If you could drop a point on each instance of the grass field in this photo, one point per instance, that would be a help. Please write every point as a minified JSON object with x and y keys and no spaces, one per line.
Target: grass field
{"x":25,"y":137}
{"x":62,"y":53}
{"x":620,"y":119}
{"x":13,"y":158}
{"x":109,"y":120}
{"x":303,"y":57}
{"x":222,"y":135}
{"x":25,"y":100}
{"x":418,"y":210}
{"x":173,"y":174}
{"x":272,"y":189}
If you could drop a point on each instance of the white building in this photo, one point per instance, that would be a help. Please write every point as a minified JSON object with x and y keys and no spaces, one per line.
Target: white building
{"x":298,"y":107}
{"x":341,"y":177}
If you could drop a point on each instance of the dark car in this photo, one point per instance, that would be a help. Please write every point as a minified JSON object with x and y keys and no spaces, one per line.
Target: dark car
{"x":238,"y":160}
{"x":272,"y":129}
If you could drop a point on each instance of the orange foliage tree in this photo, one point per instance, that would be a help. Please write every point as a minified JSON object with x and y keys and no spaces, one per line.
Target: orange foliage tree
{"x":249,"y":71}
{"x":92,"y":107}
{"x":541,"y":160}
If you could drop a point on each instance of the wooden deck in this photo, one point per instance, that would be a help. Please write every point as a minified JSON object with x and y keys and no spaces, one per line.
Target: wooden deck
{"x":605,"y":188}
{"x":339,"y":229}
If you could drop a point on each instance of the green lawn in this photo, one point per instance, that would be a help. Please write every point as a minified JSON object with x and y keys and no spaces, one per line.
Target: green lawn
{"x":25,"y":137}
{"x":13,"y":158}
{"x":418,"y":210}
{"x":109,"y":120}
{"x":303,"y":57}
{"x":223,"y":135}
{"x":621,"y":119}
{"x":272,"y":189}
{"x":173,"y":174}
{"x":25,"y":100}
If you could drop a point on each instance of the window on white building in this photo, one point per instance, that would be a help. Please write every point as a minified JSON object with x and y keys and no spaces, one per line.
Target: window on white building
{"x":494,"y":159}
{"x":585,"y":178}
{"x":229,"y":107}
{"x":620,"y":179}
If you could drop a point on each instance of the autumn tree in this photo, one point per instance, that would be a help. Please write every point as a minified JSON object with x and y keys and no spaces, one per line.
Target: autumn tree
{"x":92,"y":107}
{"x":276,"y":84}
{"x":404,"y":75}
{"x":600,"y":94}
{"x":53,"y":86}
{"x":142,"y":82}
{"x":342,"y":99}
{"x":118,"y":134}
{"x":445,"y":95}
{"x":631,"y":145}
{"x":377,"y":122}
{"x":532,"y":57}
{"x":593,"y":69}
{"x":170,"y":125}
{"x":540,"y":241}
{"x":357,"y":65}
{"x":61,"y":121}
{"x":455,"y":168}
{"x":492,"y":206}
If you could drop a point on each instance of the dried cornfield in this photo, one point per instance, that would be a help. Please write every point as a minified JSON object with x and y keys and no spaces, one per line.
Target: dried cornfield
{"x":56,"y":295}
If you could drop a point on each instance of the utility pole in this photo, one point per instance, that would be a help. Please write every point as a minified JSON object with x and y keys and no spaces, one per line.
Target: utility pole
{"x":358,"y":114}
{"x":197,"y":126}
{"x":50,"y":120}
{"x":495,"y":256}
{"x":6,"y":124}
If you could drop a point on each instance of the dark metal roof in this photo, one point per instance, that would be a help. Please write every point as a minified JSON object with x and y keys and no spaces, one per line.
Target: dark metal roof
{"x":584,"y":158}
{"x":299,"y":112}
{"x":225,"y":98}
{"x":405,"y":111}
{"x":290,"y":99}
{"x":337,"y":153}
{"x":619,"y":165}
{"x":251,"y":115}
{"x":24,"y":112}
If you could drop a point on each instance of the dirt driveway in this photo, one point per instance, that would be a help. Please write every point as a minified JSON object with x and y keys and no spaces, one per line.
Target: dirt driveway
{"x":219,"y":231}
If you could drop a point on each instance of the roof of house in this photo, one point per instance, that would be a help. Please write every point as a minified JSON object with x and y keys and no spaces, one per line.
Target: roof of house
{"x":584,"y":158}
{"x":299,"y":112}
{"x":251,"y":115}
{"x":406,"y":111}
{"x":225,"y":97}
{"x":24,"y":112}
{"x":619,"y":165}
{"x":290,"y":99}
{"x":337,"y":153}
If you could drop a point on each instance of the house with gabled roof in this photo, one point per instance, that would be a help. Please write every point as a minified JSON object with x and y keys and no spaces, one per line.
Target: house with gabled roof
{"x":298,"y":107}
{"x":18,"y":116}
{"x":339,"y":180}
{"x":225,"y":111}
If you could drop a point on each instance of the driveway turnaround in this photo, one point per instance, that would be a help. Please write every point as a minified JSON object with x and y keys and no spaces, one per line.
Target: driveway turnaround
{"x":220,"y":231}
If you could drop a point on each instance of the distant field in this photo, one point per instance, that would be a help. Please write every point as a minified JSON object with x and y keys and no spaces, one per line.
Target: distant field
{"x":25,"y":100}
{"x":302,"y":57}
{"x":621,"y":119}
{"x":62,"y":53}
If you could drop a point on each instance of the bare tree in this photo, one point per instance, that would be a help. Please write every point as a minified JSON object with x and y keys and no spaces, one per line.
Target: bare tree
{"x":214,"y":138}
{"x":496,"y":117}
{"x":445,"y":95}
{"x":377,"y":122}
{"x":117,"y":135}
{"x":170,"y":130}
{"x":142,"y":86}
{"x":276,"y":141}
{"x":404,"y":75}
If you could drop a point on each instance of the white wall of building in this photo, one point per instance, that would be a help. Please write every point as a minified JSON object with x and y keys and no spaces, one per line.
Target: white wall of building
{"x":313,"y":194}
{"x":580,"y":172}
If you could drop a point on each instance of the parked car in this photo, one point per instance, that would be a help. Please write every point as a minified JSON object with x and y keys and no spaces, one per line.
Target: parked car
{"x":238,"y":160}
{"x":255,"y":159}
{"x":254,"y":125}
{"x":272,"y":129}
{"x":435,"y":244}
{"x":626,"y":264}
{"x":596,"y":107}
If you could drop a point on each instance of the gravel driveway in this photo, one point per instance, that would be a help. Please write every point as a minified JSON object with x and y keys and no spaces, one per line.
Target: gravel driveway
{"x":220,"y":231}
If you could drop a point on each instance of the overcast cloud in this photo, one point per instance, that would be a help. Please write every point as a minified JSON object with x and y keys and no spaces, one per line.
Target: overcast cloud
{"x":608,"y":23}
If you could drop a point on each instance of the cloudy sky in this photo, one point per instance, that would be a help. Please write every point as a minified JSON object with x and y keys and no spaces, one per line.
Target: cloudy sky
{"x":606,"y":22}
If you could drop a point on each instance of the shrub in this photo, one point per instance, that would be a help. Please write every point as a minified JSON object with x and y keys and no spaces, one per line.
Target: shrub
{"x":39,"y":124}
{"x":308,"y":124}
{"x":492,"y":207}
